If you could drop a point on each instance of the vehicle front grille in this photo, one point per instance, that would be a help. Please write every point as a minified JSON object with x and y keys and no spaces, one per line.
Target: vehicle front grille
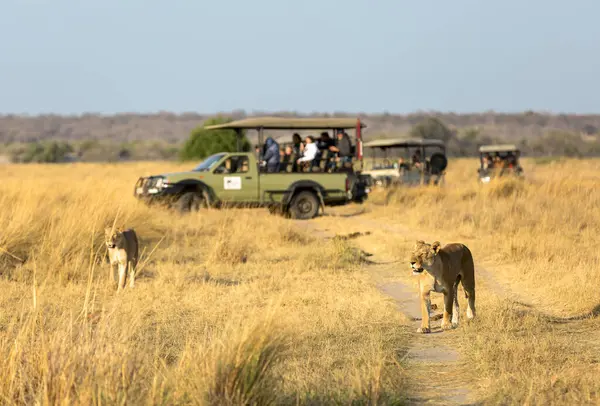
{"x":150,"y":182}
{"x":145,"y":184}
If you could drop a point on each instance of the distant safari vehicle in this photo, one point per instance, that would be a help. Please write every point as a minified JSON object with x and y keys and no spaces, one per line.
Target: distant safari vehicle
{"x":499,"y":160}
{"x":391,"y":164}
{"x":239,"y":179}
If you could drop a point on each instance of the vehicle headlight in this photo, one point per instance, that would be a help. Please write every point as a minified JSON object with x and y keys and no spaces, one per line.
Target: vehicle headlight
{"x":485,"y":179}
{"x":162,"y":183}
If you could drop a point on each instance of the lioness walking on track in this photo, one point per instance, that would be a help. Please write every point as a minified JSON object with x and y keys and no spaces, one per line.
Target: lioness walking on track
{"x":441,"y":270}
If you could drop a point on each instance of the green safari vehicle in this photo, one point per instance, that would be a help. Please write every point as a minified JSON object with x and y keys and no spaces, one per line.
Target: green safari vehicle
{"x":236,"y":179}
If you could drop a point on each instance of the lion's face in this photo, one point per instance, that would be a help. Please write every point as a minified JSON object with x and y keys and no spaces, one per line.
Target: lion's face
{"x":112,"y":237}
{"x":424,"y":256}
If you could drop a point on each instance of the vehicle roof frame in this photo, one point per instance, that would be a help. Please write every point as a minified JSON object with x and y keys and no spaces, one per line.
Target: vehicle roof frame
{"x":498,"y":148}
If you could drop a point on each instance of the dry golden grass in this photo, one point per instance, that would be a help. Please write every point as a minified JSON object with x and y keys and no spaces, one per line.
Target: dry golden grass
{"x":538,"y":239}
{"x":230,"y":307}
{"x":240,"y":307}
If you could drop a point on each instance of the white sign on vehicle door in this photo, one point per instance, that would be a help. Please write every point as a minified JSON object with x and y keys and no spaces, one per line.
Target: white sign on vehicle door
{"x":232,"y":183}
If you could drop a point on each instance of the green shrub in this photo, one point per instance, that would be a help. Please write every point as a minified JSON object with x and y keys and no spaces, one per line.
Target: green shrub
{"x":203,"y":143}
{"x":50,"y":152}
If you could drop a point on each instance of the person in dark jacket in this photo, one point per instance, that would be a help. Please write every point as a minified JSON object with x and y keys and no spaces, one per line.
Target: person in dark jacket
{"x":325,"y":143}
{"x":297,"y":145}
{"x":271,"y":156}
{"x":343,"y":148}
{"x":343,"y":145}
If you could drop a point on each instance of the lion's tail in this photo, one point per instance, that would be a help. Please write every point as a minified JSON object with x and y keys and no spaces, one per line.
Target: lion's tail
{"x":468,"y":271}
{"x":137,"y":247}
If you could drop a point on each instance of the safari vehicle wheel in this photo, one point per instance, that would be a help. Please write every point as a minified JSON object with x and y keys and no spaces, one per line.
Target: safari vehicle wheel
{"x":304,"y":206}
{"x":188,"y":202}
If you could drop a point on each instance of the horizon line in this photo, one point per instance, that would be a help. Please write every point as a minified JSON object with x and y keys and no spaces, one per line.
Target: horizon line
{"x":296,"y":113}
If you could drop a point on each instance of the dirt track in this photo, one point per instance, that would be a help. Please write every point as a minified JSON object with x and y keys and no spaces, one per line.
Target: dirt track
{"x":433,"y":356}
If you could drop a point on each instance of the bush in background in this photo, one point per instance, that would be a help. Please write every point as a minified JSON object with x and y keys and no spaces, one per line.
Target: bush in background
{"x":203,"y":143}
{"x":39,"y":152}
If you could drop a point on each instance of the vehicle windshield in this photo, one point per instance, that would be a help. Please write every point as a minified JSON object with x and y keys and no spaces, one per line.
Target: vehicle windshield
{"x":208,"y":163}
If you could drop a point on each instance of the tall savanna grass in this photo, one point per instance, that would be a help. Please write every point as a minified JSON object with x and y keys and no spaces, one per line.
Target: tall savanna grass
{"x":537,"y":238}
{"x":229,"y":307}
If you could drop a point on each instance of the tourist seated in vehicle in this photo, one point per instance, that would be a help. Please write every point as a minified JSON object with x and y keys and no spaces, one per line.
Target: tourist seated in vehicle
{"x":271,"y":157}
{"x":486,"y":161}
{"x":325,"y":142}
{"x":511,"y":160}
{"x":287,"y":160}
{"x":310,"y":152}
{"x":297,"y":145}
{"x":258,"y":152}
{"x":417,"y":160}
{"x":403,"y":166}
{"x":498,"y":161}
{"x":342,"y":148}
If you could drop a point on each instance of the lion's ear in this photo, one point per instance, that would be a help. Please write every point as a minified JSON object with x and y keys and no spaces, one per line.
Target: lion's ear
{"x":419,"y":243}
{"x":436,"y":247}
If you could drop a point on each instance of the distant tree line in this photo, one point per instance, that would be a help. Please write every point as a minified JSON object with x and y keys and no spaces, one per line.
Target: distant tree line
{"x":87,"y":151}
{"x":466,"y":141}
{"x":173,"y":129}
{"x":201,"y":143}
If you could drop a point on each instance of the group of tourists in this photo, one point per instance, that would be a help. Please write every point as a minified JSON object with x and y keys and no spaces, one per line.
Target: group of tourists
{"x":499,"y":162}
{"x":305,"y":155}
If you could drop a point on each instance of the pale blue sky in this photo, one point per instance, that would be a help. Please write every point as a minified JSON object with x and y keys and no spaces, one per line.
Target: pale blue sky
{"x":106,"y":56}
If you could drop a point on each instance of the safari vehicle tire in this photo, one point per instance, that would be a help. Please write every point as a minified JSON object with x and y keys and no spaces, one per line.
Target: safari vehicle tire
{"x":438,"y":163}
{"x":188,"y":202}
{"x":304,"y":206}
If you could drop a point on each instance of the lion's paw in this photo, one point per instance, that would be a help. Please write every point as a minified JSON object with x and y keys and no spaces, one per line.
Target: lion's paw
{"x":448,"y":326}
{"x":424,"y":330}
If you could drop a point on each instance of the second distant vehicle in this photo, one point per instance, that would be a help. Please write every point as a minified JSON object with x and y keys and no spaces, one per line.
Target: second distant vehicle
{"x":393,"y":164}
{"x":499,"y":160}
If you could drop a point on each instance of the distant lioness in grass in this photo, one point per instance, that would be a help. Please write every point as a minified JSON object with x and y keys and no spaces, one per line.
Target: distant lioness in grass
{"x":440,"y":270}
{"x":122,"y":254}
